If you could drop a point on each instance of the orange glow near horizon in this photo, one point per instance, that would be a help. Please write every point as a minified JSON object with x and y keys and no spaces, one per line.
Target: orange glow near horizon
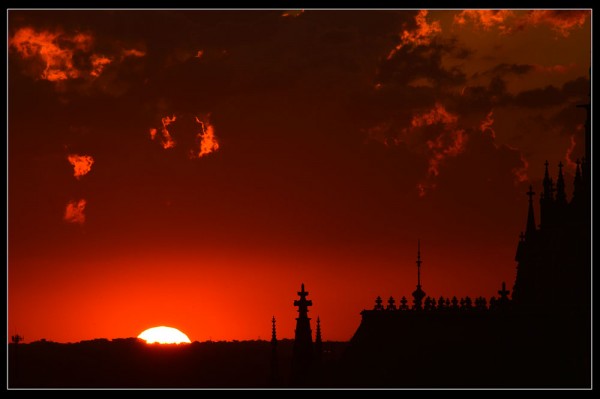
{"x":164,"y":335}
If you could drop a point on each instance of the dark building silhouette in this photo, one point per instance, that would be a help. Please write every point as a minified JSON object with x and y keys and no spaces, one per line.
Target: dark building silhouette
{"x":541,"y":337}
{"x":554,"y":260}
{"x":302,"y":357}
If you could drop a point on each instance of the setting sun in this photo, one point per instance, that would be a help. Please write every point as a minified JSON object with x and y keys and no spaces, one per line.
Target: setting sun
{"x":164,"y":335}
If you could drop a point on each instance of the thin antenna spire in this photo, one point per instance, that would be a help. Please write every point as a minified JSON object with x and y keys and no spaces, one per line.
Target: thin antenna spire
{"x":419,"y":262}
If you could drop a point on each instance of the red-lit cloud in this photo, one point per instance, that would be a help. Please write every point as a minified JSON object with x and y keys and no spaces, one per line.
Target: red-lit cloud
{"x":420,"y":36}
{"x":54,"y":49}
{"x":81,"y":164}
{"x":485,"y":19}
{"x":449,"y":140}
{"x":133,"y":53}
{"x":166,"y":141}
{"x":486,"y":124}
{"x":558,"y":68}
{"x":208,"y":141}
{"x":506,"y":21}
{"x":437,"y":114}
{"x":53,"y":54}
{"x":292,"y":13}
{"x":445,"y":145}
{"x":74,"y":212}
{"x":99,"y":62}
{"x":570,"y":163}
{"x":561,"y":21}
{"x":520,"y":172}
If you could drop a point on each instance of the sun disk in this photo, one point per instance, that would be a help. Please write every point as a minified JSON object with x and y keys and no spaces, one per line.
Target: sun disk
{"x":164,"y":335}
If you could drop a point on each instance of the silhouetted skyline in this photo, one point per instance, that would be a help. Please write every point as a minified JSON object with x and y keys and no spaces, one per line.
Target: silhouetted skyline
{"x":192,"y":168}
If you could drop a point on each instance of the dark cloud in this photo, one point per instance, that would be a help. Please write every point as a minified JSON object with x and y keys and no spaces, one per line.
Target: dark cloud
{"x":550,"y":96}
{"x":506,"y":69}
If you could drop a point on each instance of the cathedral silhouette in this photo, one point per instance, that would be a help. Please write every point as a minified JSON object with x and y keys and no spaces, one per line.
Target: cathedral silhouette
{"x":540,"y":337}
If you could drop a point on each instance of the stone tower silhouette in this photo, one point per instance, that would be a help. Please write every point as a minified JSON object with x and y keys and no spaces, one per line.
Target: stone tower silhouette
{"x":302,"y":357}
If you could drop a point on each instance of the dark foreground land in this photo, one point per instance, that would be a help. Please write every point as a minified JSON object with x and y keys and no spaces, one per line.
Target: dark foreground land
{"x":389,"y":350}
{"x":130,"y":363}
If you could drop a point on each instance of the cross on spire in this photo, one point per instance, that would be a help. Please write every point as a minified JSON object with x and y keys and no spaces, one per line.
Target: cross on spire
{"x":530,"y":193}
{"x":303,"y":303}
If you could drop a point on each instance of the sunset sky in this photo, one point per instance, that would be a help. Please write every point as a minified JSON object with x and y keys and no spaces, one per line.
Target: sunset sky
{"x":192,"y":168}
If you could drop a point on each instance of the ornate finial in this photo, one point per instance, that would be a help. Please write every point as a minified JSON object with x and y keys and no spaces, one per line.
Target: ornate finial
{"x":391,"y":304}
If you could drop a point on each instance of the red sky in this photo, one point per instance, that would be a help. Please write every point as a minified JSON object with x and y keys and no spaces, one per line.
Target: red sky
{"x":193,"y":168}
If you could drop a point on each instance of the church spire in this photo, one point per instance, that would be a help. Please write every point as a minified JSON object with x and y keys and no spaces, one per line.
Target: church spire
{"x":548,"y":185}
{"x":561,"y":196}
{"x":274,"y":357}
{"x":530,"y":230}
{"x":318,"y":342}
{"x":418,"y":294}
{"x":318,"y":333}
{"x":302,"y":356}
